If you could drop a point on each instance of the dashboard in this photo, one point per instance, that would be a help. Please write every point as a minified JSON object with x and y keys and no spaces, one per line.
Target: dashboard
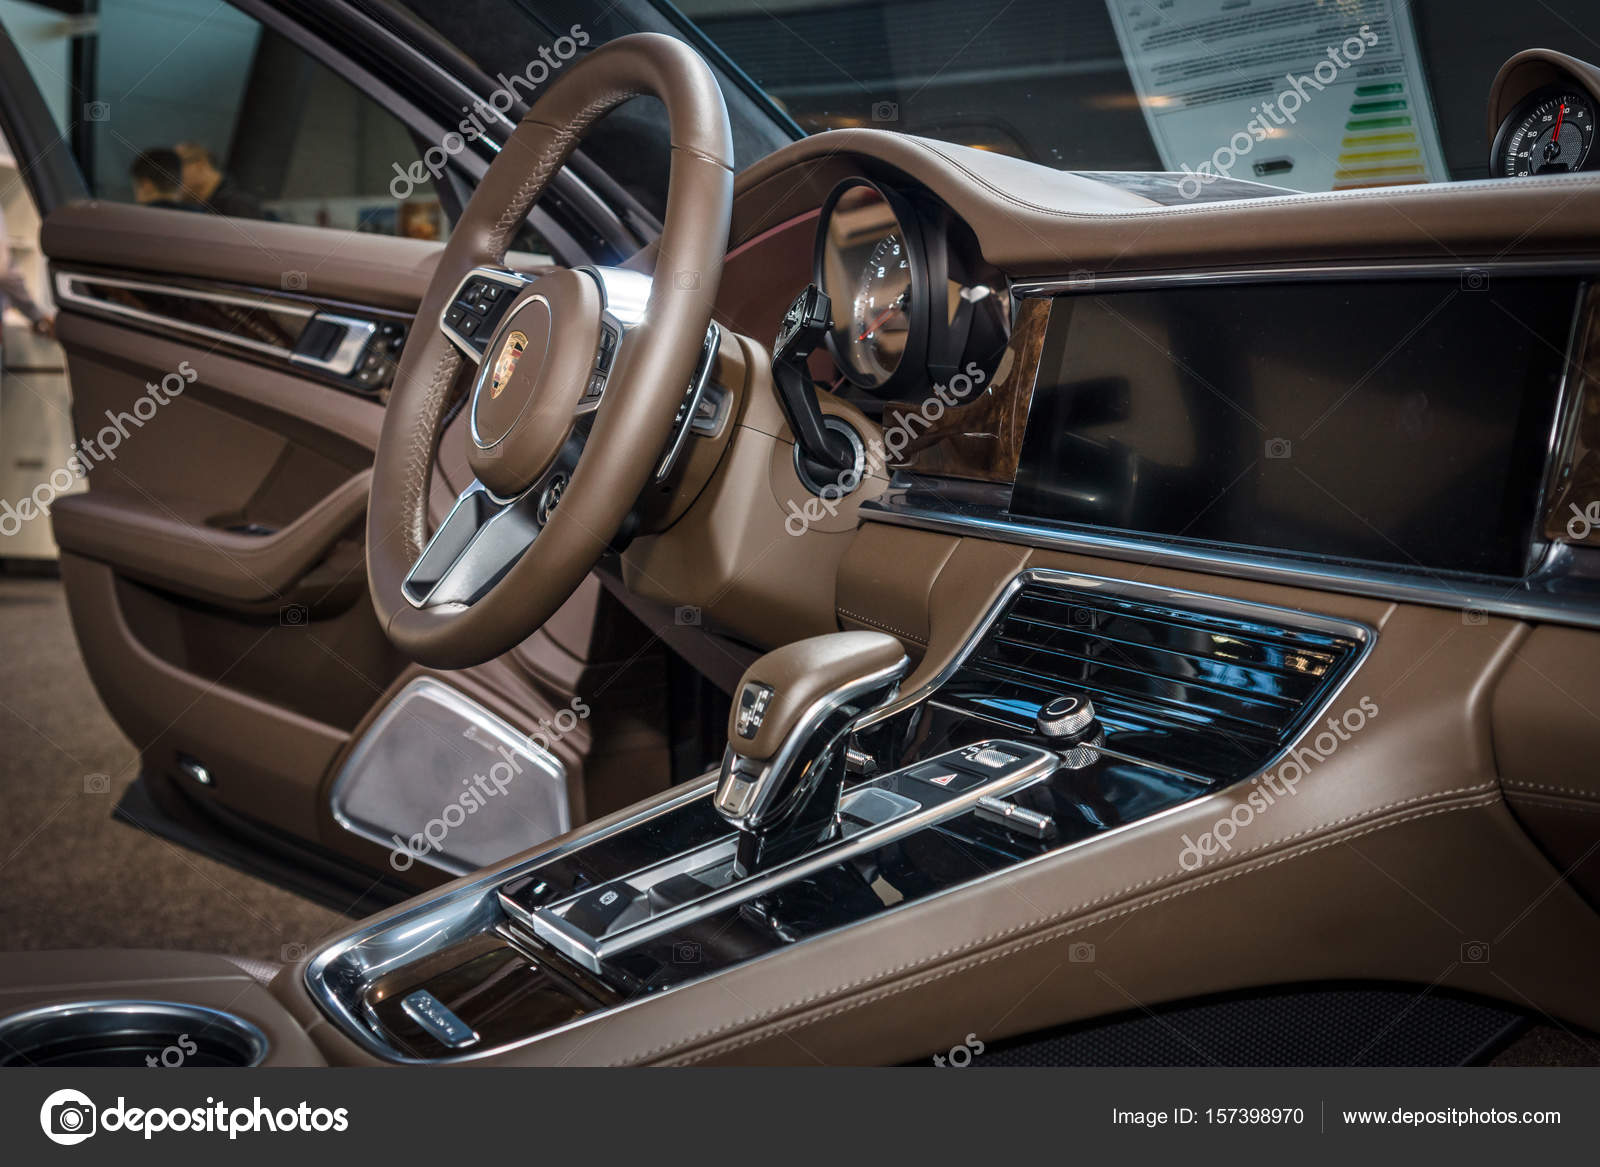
{"x":1389,"y":391}
{"x":915,"y":301}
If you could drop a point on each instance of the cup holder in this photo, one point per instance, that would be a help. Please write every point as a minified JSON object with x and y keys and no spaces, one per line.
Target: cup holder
{"x":129,"y":1033}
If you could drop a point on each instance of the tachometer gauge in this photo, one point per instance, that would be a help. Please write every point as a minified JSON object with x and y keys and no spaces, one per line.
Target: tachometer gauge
{"x":869,"y":262}
{"x":1551,"y":132}
{"x":881,"y":311}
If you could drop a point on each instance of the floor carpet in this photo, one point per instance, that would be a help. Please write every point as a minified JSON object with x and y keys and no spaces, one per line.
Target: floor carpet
{"x":70,"y":875}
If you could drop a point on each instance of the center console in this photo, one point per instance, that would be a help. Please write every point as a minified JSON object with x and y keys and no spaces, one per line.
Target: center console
{"x":1079,"y":707}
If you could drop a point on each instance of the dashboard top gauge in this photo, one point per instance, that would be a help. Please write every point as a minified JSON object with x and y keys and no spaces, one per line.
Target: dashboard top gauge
{"x":1551,"y":131}
{"x":869,"y":260}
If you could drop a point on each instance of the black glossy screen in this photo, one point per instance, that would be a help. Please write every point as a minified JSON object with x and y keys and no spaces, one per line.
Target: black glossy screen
{"x":1404,"y":422}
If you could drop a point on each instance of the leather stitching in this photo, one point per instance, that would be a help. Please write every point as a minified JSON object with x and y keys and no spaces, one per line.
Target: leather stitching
{"x":425,"y":428}
{"x":1068,"y":928}
{"x":890,"y":628}
{"x":1452,"y":190}
{"x":419,"y":453}
{"x":1550,"y":802}
{"x":1572,"y":791}
{"x":1066,"y":917}
{"x":1058,"y":933}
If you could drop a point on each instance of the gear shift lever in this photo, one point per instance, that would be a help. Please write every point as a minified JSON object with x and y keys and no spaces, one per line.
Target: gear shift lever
{"x":783,"y":769}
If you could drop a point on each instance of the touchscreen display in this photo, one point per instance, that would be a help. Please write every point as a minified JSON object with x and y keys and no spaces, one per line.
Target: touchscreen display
{"x":1400,"y":421}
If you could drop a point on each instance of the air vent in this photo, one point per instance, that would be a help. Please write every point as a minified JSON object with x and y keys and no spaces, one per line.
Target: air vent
{"x":1205,"y":686}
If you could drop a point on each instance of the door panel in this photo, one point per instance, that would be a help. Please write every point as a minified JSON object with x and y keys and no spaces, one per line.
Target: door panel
{"x":215,"y":569}
{"x":382,"y":271}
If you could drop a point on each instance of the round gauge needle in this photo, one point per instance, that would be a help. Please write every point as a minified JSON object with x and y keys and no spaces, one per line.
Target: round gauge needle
{"x":1552,"y":148}
{"x":882,"y":316}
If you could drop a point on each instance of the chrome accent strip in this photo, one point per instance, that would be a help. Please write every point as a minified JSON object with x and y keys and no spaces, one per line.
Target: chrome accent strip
{"x":1089,"y":281}
{"x":1564,"y":425}
{"x":342,"y":363}
{"x":626,"y":292}
{"x":67,"y":293}
{"x":1530,"y":598}
{"x":472,"y":713}
{"x":697,"y":390}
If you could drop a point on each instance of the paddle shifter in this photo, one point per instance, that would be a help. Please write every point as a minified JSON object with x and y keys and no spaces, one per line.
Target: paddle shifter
{"x":784,"y":766}
{"x":827,"y":453}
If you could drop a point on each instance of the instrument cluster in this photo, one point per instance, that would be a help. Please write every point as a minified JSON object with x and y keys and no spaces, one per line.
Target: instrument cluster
{"x":1543,"y":107}
{"x":912,"y":300}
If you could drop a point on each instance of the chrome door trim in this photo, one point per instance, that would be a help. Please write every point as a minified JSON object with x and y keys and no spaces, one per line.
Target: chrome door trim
{"x":352,"y":344}
{"x":67,"y":292}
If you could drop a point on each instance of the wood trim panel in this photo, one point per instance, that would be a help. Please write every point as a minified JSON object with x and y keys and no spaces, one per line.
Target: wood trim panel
{"x":982,"y":439}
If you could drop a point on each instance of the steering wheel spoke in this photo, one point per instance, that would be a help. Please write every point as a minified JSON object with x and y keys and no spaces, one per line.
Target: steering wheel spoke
{"x":483,"y":536}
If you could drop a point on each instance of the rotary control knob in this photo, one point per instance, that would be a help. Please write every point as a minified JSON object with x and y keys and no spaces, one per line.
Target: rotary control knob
{"x":1069,"y":716}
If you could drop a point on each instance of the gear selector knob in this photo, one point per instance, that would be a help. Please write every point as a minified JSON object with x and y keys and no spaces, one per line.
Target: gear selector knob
{"x":789,"y":713}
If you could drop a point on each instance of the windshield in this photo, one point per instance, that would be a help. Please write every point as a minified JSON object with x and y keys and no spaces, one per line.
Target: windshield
{"x":1311,"y":95}
{"x":1306,"y":94}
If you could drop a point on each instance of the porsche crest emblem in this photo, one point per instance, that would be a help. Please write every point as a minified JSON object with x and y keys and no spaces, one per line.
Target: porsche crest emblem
{"x":506,"y":363}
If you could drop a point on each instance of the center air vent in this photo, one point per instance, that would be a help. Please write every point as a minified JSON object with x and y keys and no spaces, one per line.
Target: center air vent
{"x":1209,"y":687}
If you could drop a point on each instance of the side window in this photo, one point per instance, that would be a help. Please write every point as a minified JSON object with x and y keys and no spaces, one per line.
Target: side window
{"x":192,"y":104}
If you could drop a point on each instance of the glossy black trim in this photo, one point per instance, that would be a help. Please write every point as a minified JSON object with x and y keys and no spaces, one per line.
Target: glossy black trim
{"x":1563,"y":589}
{"x":1214,"y":696}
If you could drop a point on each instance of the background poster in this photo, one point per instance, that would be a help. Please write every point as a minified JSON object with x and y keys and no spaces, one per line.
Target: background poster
{"x":1306,"y":94}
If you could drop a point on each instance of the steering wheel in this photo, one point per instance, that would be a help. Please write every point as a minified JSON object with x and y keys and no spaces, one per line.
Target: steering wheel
{"x":581,"y":373}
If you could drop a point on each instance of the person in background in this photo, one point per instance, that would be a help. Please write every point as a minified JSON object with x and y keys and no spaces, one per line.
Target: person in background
{"x":157,"y":179}
{"x":204,"y":184}
{"x":14,"y":290}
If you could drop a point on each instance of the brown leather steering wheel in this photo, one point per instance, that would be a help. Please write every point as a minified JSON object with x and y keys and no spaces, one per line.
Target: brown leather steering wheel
{"x":579,"y":361}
